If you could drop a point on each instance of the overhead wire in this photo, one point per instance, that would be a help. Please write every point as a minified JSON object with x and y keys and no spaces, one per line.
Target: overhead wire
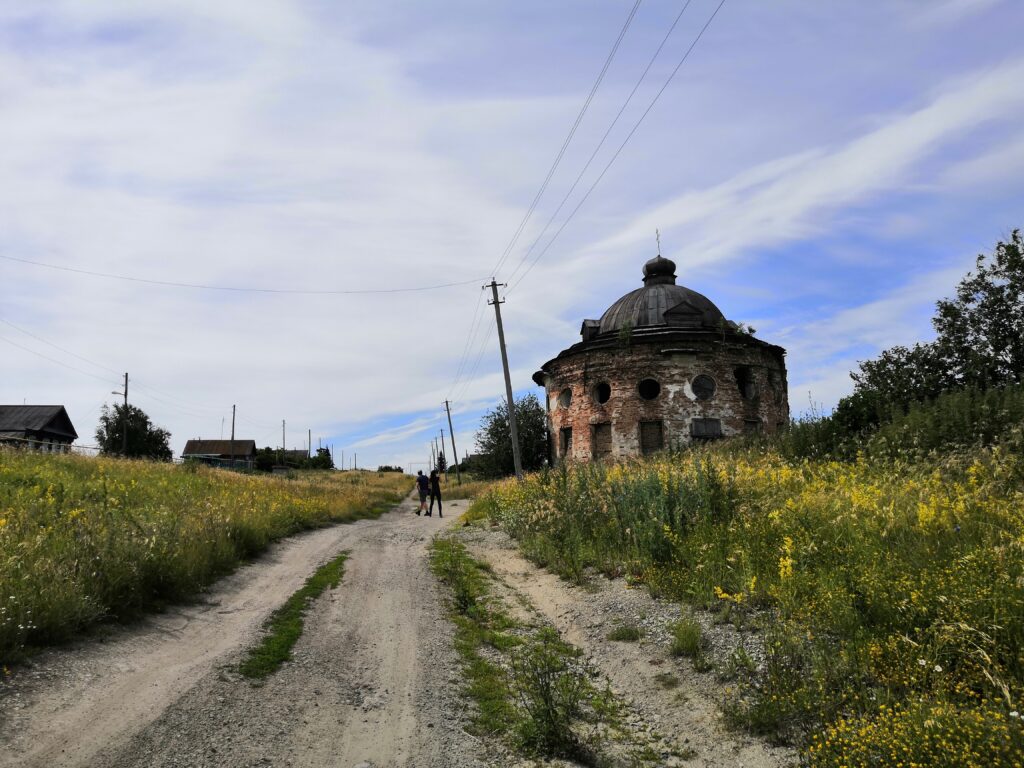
{"x":182,"y":406}
{"x":568,"y":138}
{"x":620,"y":148}
{"x":55,"y":360}
{"x":241,"y":289}
{"x":475,"y":322}
{"x":604,"y":138}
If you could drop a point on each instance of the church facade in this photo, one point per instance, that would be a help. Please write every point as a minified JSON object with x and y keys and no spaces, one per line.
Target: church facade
{"x":662,"y":367}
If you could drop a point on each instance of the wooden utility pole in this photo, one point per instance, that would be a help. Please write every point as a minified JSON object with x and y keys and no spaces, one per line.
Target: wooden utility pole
{"x":124,"y":416}
{"x":455,"y":453}
{"x":283,"y":448}
{"x":232,"y":437}
{"x":513,"y":430}
{"x":309,"y":443}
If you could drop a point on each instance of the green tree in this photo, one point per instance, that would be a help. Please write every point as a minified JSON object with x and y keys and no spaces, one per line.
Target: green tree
{"x":494,"y":442}
{"x":979,"y":343}
{"x":322,"y":459}
{"x":145,"y":439}
{"x":981,"y":330}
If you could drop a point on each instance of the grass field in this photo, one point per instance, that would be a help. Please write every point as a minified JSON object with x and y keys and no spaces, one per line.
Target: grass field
{"x":86,"y":539}
{"x":890,"y":591}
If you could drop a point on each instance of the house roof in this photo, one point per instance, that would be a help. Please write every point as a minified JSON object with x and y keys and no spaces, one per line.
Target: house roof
{"x":219,"y":448}
{"x":37,"y":418}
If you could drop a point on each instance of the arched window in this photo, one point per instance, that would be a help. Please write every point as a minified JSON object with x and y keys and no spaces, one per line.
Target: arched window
{"x":565,"y":397}
{"x":602,"y":392}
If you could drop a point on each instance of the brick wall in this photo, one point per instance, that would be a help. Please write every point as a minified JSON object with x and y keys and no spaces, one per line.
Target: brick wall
{"x":759,"y":399}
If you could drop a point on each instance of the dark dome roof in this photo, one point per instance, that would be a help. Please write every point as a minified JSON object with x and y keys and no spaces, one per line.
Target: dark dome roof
{"x":661,"y":302}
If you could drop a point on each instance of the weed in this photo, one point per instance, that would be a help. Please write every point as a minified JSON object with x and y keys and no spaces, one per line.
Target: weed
{"x":626,"y":633}
{"x":285,"y":625}
{"x":687,"y":638}
{"x":667,"y":680}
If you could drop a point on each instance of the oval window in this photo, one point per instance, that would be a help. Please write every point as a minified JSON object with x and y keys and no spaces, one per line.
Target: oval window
{"x":703,"y":387}
{"x":603,"y":392}
{"x":649,"y":389}
{"x":565,"y":398}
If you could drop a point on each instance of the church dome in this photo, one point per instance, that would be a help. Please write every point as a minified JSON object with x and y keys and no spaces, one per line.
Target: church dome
{"x":660,"y":302}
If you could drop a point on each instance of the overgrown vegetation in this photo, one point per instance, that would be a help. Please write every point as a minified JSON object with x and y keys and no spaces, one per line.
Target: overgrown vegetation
{"x":894,"y":581}
{"x":977,"y":358}
{"x":83,"y":540}
{"x":285,"y":625}
{"x":529,"y":686}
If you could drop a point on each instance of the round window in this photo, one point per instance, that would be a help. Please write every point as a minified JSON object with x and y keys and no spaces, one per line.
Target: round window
{"x":565,"y":397}
{"x":703,"y":387}
{"x":603,"y":392}
{"x":649,"y":389}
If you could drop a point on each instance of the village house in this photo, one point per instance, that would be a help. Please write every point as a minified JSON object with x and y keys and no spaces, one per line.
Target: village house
{"x":661,"y":367}
{"x":234,"y":453}
{"x":45,"y":428}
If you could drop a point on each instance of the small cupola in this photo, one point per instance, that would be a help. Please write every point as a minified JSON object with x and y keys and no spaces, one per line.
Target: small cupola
{"x":660,"y":271}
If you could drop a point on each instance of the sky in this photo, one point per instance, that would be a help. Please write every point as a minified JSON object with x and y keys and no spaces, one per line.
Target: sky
{"x":824,"y":171}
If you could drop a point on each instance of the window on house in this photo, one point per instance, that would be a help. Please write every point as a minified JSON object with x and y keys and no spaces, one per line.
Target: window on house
{"x":745,"y":382}
{"x":652,"y":436}
{"x":603,"y":392}
{"x":705,"y":429}
{"x":703,"y":387}
{"x":565,"y":441}
{"x":602,"y":440}
{"x":565,"y":398}
{"x":752,"y":427}
{"x":649,"y":389}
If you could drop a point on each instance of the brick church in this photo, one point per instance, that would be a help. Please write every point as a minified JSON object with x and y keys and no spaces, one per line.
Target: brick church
{"x":661,"y":368}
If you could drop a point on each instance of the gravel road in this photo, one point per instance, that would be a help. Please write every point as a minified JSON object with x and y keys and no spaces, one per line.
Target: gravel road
{"x":374,"y":680}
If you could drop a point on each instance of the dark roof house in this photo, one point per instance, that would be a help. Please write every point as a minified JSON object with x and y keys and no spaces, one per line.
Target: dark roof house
{"x":43,"y":426}
{"x":219,"y":449}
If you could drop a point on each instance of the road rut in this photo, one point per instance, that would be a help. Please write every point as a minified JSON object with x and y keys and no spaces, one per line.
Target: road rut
{"x":374,"y":678}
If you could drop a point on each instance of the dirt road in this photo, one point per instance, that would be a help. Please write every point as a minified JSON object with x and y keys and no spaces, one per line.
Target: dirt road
{"x":374,"y":681}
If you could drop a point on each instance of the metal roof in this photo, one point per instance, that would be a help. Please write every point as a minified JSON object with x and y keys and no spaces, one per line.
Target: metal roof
{"x":661,"y":302}
{"x":37,"y":418}
{"x":219,"y":448}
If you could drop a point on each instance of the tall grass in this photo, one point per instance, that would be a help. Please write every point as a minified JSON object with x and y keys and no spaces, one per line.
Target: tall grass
{"x":84,"y":539}
{"x":896,"y":585}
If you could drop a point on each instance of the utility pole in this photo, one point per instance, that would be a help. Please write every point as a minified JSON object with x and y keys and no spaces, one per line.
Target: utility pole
{"x":124,"y":416}
{"x":309,"y":443}
{"x":283,"y":449}
{"x":514,"y":432}
{"x":232,"y":437}
{"x":355,"y":461}
{"x":455,"y":453}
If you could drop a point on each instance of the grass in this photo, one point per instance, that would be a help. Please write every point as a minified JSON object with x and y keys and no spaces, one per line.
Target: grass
{"x":285,"y":625}
{"x":892,"y":584}
{"x":687,"y":638}
{"x":530,"y":688}
{"x":626,"y":633}
{"x":85,"y":540}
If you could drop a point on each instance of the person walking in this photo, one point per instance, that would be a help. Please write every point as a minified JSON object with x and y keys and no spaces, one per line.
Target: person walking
{"x":423,"y":486}
{"x":435,"y":493}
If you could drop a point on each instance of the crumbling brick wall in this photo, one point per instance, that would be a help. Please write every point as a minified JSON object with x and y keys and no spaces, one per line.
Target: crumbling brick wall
{"x":750,"y":394}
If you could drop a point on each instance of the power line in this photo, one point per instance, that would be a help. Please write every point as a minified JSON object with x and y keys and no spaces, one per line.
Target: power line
{"x":475,"y":322}
{"x":241,"y":289}
{"x":54,"y":360}
{"x":600,"y":144}
{"x":61,"y":349}
{"x":465,"y":348}
{"x":621,"y":146}
{"x":568,"y":139}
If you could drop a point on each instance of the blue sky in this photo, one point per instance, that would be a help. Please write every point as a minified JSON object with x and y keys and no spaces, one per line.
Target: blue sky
{"x":823,"y":171}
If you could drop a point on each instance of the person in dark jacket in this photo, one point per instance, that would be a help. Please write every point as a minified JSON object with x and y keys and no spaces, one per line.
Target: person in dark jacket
{"x":423,"y":486}
{"x":435,"y":493}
